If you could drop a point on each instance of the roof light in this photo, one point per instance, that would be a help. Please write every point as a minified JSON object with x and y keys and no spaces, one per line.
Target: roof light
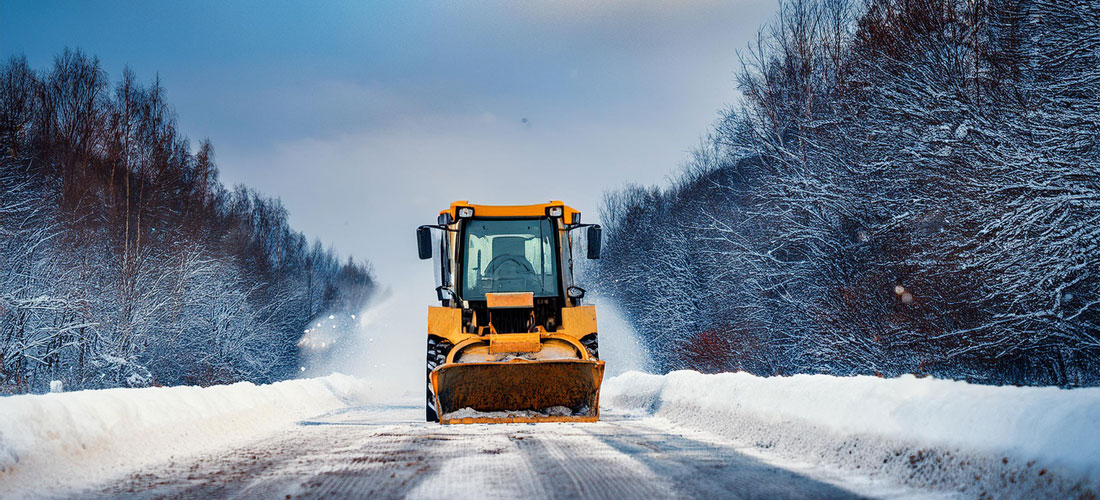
{"x":554,"y":211}
{"x":465,"y":212}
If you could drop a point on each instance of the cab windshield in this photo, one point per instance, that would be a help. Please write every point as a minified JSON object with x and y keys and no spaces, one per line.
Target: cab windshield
{"x":509,"y":256}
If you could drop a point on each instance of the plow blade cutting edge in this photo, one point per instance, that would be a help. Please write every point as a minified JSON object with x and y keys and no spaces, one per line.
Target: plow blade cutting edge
{"x":518,"y":391}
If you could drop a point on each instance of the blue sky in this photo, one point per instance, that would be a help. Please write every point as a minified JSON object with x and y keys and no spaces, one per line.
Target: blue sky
{"x":366,"y":118}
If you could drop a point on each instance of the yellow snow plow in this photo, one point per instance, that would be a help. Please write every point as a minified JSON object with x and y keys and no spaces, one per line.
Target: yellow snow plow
{"x":511,"y":341}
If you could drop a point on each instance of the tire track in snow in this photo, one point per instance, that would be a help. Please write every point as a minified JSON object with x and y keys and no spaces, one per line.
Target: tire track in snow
{"x":479,"y":463}
{"x":704,"y":469}
{"x":594,"y":470}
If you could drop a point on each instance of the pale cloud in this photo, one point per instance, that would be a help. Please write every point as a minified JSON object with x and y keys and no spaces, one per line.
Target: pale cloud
{"x":368,"y":190}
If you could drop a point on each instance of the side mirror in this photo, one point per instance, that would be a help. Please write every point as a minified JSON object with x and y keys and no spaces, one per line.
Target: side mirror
{"x":594,"y":233}
{"x":575,"y":292}
{"x":424,"y":242}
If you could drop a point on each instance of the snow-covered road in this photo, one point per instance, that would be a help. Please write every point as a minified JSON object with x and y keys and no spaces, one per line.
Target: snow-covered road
{"x":683,"y":435}
{"x":389,"y":452}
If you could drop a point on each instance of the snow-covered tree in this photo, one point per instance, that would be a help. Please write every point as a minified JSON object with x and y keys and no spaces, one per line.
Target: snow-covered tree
{"x":123,"y":260}
{"x":905,"y":187}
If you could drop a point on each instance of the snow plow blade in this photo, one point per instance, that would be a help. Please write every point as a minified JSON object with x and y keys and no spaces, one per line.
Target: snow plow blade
{"x":560,"y":390}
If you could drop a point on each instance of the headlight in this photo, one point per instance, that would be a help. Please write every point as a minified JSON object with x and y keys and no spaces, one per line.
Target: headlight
{"x":465,"y":212}
{"x":554,"y":211}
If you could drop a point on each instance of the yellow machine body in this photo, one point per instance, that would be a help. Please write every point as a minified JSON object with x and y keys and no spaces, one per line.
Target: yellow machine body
{"x":511,"y":356}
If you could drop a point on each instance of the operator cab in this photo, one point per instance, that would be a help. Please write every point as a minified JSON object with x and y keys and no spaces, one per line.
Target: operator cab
{"x":509,"y":255}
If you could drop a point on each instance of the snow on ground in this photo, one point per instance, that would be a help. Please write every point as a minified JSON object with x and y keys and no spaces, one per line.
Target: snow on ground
{"x":94,"y":435}
{"x":1007,"y":441}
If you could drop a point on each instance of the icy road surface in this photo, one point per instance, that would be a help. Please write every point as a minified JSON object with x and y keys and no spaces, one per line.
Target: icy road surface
{"x":389,"y":452}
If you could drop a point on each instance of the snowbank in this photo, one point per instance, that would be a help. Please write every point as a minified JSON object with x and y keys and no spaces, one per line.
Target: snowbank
{"x":54,"y":442}
{"x":1023,"y":441}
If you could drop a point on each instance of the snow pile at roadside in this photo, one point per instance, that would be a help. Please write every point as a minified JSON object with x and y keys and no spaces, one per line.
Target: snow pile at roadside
{"x":53,"y":442}
{"x":1019,"y":441}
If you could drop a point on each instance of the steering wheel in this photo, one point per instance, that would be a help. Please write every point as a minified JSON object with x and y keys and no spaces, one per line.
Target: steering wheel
{"x":500,"y":259}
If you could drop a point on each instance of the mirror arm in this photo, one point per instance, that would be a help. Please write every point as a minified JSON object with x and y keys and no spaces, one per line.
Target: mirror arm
{"x":441,"y":227}
{"x":439,"y":290}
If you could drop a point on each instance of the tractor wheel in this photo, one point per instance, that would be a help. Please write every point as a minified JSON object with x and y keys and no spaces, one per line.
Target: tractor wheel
{"x":591,"y":344}
{"x":438,"y":347}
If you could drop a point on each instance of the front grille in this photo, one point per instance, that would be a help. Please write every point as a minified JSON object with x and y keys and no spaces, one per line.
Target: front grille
{"x":511,"y":320}
{"x":547,"y":315}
